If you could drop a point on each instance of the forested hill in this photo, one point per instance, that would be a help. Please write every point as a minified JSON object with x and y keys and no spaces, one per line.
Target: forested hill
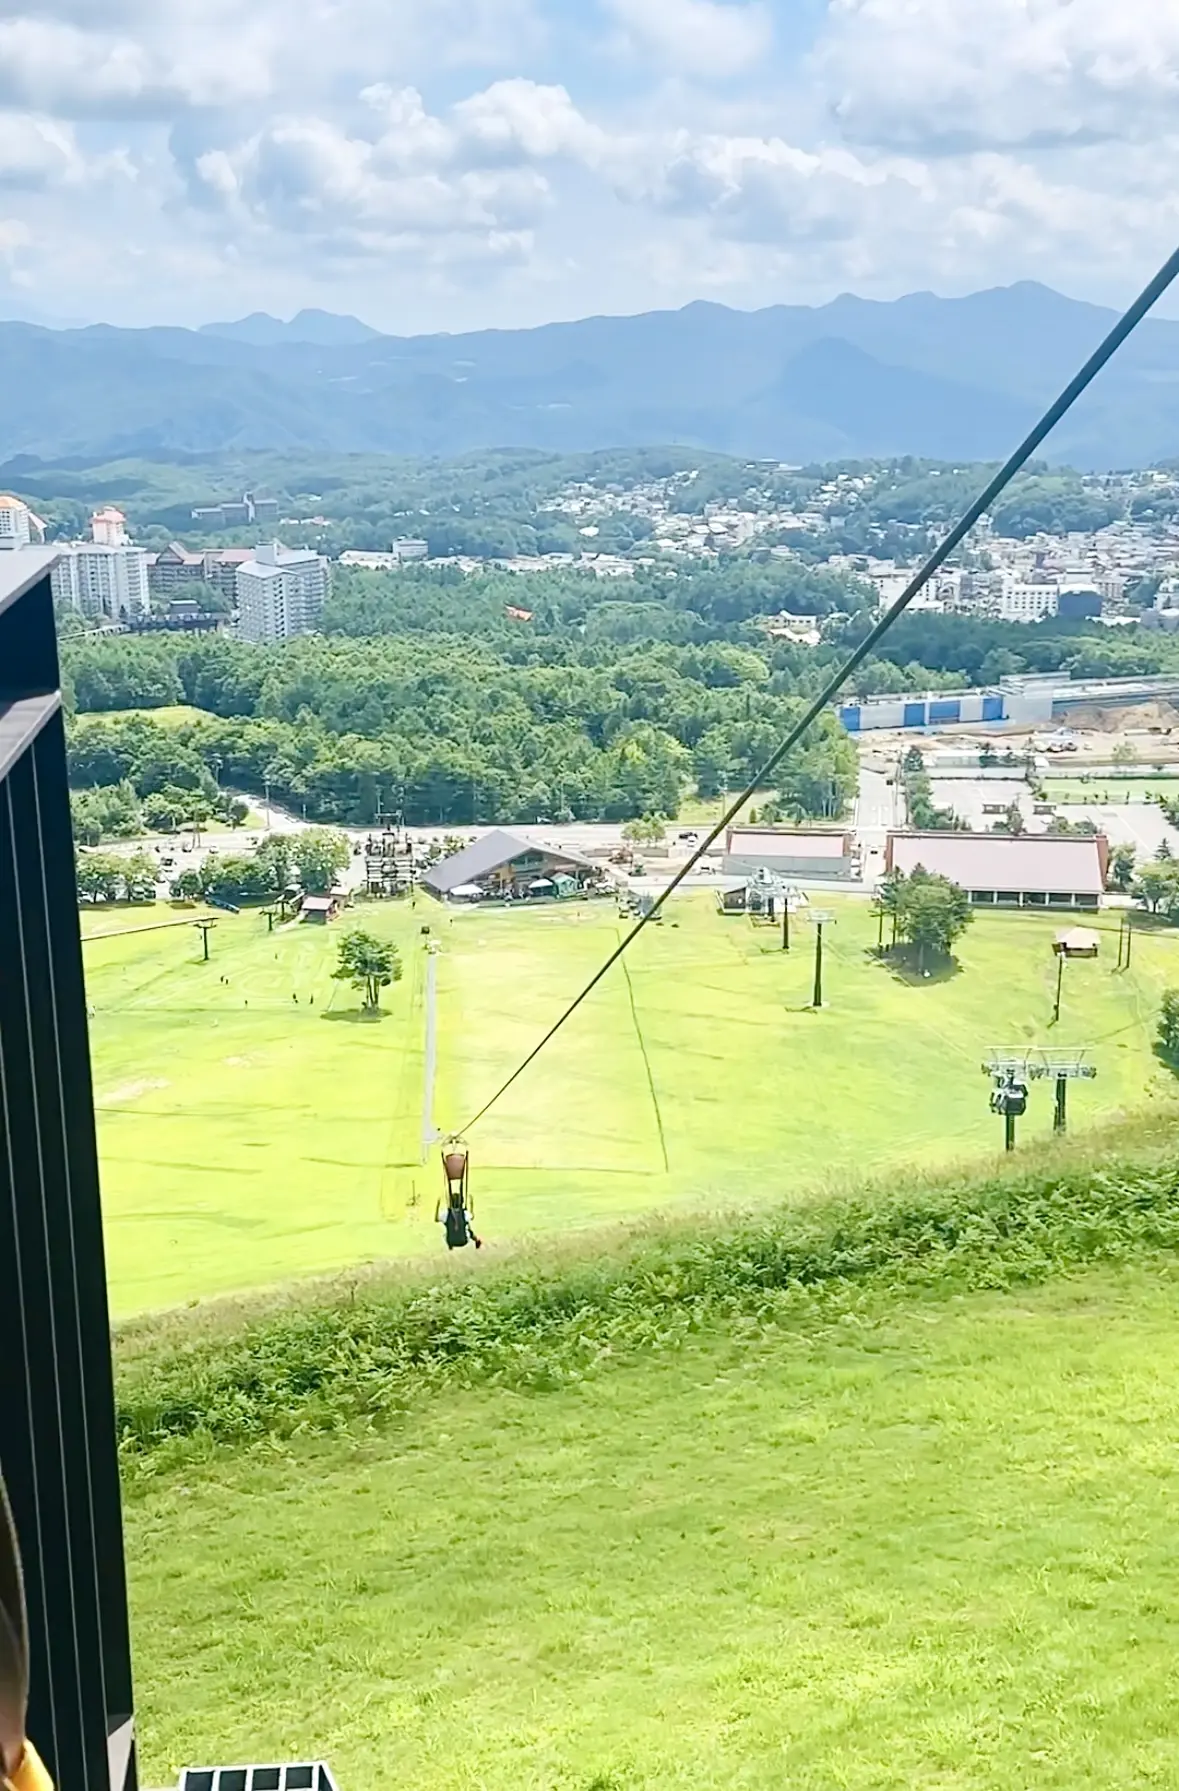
{"x":425,"y":695}
{"x":948,"y":378}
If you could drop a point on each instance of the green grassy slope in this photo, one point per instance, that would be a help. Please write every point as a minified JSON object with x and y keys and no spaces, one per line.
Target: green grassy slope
{"x":245,"y":1143}
{"x":876,"y":1545}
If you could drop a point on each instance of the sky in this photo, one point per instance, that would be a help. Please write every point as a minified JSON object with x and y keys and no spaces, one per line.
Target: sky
{"x":458,"y":164}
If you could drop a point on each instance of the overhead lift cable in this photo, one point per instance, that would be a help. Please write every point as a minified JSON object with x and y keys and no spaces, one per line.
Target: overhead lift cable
{"x":1125,"y":327}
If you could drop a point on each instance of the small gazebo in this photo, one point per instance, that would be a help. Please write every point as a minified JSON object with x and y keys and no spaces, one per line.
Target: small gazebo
{"x":1077,"y":942}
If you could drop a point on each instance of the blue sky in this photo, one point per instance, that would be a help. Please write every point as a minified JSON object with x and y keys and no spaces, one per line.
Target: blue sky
{"x":454,"y":164}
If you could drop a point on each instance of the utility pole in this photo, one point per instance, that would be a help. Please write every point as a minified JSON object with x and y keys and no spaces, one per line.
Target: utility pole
{"x":203,"y":928}
{"x":1060,"y":1118}
{"x":266,"y":787}
{"x":1060,"y":957}
{"x":785,"y":923}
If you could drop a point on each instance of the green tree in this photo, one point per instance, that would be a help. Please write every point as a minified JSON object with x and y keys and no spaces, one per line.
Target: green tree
{"x":1125,"y":753}
{"x":932,"y":914}
{"x":187,"y":886}
{"x":241,"y":877}
{"x":369,"y":964}
{"x":1168,"y":1029}
{"x":274,"y":854}
{"x":647,"y":830}
{"x":1155,"y":885}
{"x":320,"y":855}
{"x":86,"y":822}
{"x":140,"y":872}
{"x":164,"y":810}
{"x":100,"y":876}
{"x":1122,"y":867}
{"x":887,"y":904}
{"x":109,"y":813}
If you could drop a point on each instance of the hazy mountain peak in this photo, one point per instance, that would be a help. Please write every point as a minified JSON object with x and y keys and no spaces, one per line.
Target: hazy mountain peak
{"x":323,"y":329}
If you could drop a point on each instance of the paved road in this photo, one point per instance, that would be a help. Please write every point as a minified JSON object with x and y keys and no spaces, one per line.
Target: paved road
{"x":879,"y":809}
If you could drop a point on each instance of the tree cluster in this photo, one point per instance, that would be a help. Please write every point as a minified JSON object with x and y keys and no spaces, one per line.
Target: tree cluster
{"x":116,"y":812}
{"x":310,"y":860}
{"x":1156,"y":886}
{"x":456,"y":728}
{"x":110,"y":877}
{"x":927,"y":911}
{"x":923,"y":812}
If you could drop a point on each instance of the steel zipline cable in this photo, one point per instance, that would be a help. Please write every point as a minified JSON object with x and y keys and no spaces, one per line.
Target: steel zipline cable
{"x":1124,"y":328}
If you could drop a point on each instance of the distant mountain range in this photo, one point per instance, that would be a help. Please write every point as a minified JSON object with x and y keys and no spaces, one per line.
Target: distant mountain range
{"x":945,"y":378}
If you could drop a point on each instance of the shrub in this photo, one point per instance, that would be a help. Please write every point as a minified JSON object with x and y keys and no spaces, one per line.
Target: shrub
{"x":319,"y":1362}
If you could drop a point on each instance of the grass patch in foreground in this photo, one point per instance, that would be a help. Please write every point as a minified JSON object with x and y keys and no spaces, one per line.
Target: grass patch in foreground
{"x":925,"y":1543}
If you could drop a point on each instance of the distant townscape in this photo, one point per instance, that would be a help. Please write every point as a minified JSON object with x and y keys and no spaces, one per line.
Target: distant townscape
{"x":1061,"y":544}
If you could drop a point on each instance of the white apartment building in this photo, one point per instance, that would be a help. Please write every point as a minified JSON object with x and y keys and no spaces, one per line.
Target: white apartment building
{"x":1020,"y":602}
{"x":281,"y":592}
{"x":99,"y":580}
{"x":14,"y":523}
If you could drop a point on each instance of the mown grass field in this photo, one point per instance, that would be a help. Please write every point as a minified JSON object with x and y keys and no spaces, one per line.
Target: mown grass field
{"x":168,"y":715}
{"x":1111,"y":790}
{"x":922,"y":1541}
{"x":246,"y":1137}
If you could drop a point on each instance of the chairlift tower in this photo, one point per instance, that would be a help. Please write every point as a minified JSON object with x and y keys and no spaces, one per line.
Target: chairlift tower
{"x":1012,"y":1071}
{"x":204,"y":928}
{"x":775,"y":888}
{"x":819,"y":918}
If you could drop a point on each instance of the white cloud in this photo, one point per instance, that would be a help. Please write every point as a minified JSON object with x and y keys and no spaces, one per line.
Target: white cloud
{"x":37,"y":152}
{"x":54,"y":65}
{"x":767,"y":189}
{"x":709,"y":39}
{"x":330,"y":149}
{"x":134,"y":59}
{"x":409,"y":177}
{"x":967,"y":73}
{"x":520,"y":119}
